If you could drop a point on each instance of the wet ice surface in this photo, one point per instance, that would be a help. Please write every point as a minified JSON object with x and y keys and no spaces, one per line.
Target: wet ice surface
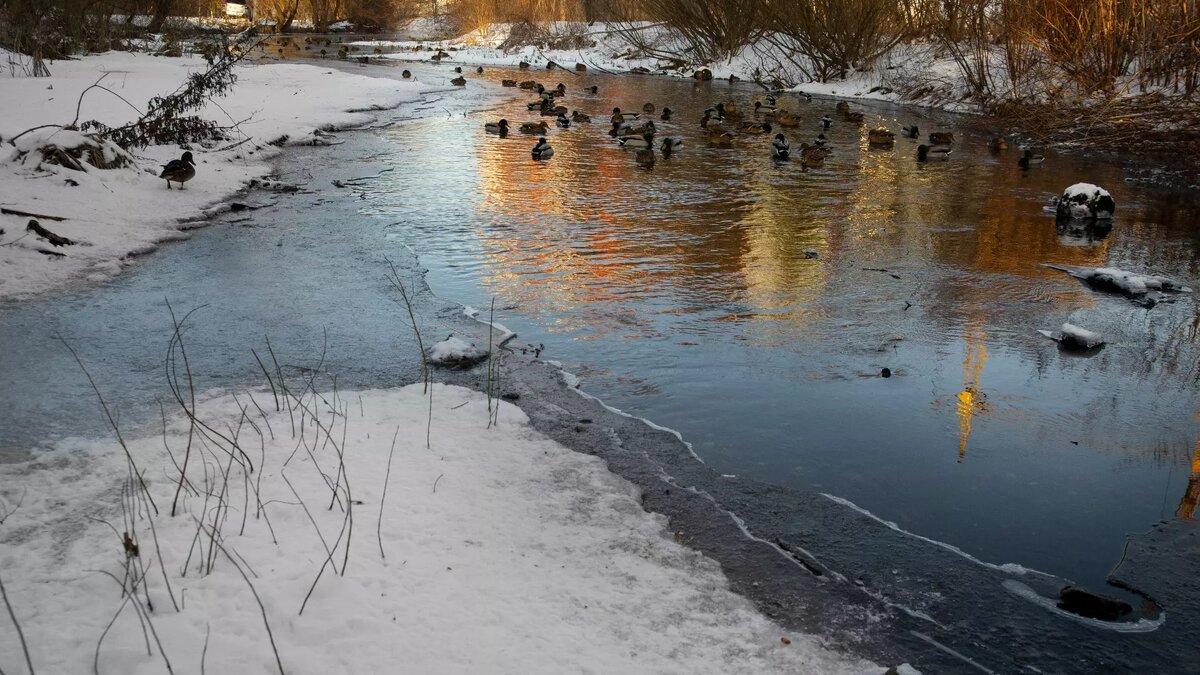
{"x":683,"y":294}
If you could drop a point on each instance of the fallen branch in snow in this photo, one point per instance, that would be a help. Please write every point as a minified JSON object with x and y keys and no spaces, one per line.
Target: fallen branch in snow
{"x":28,"y":214}
{"x":53,"y":239}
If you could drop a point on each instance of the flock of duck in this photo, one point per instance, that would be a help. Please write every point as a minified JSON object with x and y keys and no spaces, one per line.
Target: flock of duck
{"x":721,"y":125}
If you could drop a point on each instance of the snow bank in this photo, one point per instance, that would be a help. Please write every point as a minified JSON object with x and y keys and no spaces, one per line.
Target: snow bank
{"x":113,"y":213}
{"x":505,"y":552}
{"x":454,"y":351}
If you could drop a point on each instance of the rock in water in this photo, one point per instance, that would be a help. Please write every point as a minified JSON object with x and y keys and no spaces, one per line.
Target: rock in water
{"x":1092,"y":605}
{"x":1071,"y":336}
{"x":454,"y":352}
{"x":1144,"y":289}
{"x":1085,"y":201}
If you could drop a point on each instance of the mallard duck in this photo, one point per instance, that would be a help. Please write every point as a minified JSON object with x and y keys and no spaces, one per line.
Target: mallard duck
{"x":534,"y":127}
{"x":643,"y":128}
{"x":780,"y":148}
{"x":666,"y":114}
{"x":812,"y":157}
{"x":843,"y":108}
{"x":459,"y":82}
{"x":554,"y":110}
{"x":593,"y":89}
{"x":645,"y":156}
{"x":579,"y":117}
{"x":820,"y":140}
{"x":826,"y":121}
{"x":854,"y":117}
{"x":535,"y":105}
{"x":880,"y":136}
{"x":761,"y":108}
{"x":179,"y":170}
{"x":562,"y":122}
{"x":542,"y":150}
{"x":728,"y":112}
{"x":648,"y":108}
{"x":644,"y":141}
{"x":527,"y":84}
{"x":927,"y":153}
{"x":458,"y":69}
{"x":619,"y":116}
{"x":911,"y":131}
{"x":1030,"y":159}
{"x":941,"y":138}
{"x":755,"y":128}
{"x":670,"y":145}
{"x":539,"y":88}
{"x":500,"y":127}
{"x":720,"y":139}
{"x":807,"y":98}
{"x":785,"y":118}
{"x":479,"y":70}
{"x":998,"y":144}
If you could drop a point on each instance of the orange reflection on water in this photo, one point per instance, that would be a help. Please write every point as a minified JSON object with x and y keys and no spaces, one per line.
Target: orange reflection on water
{"x":971,"y":401}
{"x":1191,"y":497}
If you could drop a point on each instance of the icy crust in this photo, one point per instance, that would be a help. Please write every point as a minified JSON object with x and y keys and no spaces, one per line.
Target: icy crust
{"x":115,"y":213}
{"x":505,"y":552}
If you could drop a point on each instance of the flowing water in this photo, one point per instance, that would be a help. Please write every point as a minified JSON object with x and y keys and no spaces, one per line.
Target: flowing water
{"x":749,"y":304}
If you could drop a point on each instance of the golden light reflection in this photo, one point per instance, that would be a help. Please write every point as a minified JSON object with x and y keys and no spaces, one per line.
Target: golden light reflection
{"x":1191,"y":497}
{"x":971,"y":401}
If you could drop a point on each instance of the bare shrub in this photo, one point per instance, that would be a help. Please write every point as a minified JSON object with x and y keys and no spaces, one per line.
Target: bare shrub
{"x":837,"y":36}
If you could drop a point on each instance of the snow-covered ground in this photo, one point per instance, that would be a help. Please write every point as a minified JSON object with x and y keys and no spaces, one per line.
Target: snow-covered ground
{"x":113,"y":214}
{"x":613,"y":52}
{"x":486,"y":549}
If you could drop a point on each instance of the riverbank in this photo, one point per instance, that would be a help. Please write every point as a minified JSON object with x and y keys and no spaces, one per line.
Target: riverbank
{"x":113,"y":215}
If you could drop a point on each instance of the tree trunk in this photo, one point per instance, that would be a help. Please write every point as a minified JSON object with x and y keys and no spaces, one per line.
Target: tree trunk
{"x":161,"y":9}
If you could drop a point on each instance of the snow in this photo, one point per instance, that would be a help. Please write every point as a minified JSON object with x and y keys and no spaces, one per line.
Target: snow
{"x":505,"y":552}
{"x":1084,"y":200}
{"x":113,"y":213}
{"x":1075,"y":337}
{"x":454,"y":351}
{"x":1146,"y":289}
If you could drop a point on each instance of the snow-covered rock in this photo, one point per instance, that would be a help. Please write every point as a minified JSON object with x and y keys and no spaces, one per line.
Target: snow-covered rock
{"x":1145,"y":289}
{"x":1084,"y":200}
{"x":456,"y":353}
{"x":1071,"y":336}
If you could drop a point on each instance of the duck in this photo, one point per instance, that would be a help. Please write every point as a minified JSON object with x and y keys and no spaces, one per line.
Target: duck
{"x":719,"y":138}
{"x":500,"y":127}
{"x":648,"y":108}
{"x":479,"y":70}
{"x":911,"y":131}
{"x":593,"y":89}
{"x":534,"y":127}
{"x":811,"y":156}
{"x":761,"y":108}
{"x":786,"y":119}
{"x":670,"y":145}
{"x":843,"y":108}
{"x":542,"y":150}
{"x":179,"y":170}
{"x":819,"y":141}
{"x":527,"y":84}
{"x":458,"y":69}
{"x":579,"y":117}
{"x":807,"y":98}
{"x":666,"y":114}
{"x":405,"y":74}
{"x":626,"y":130}
{"x":553,"y":110}
{"x":728,"y":112}
{"x":644,"y":141}
{"x":927,"y":153}
{"x":780,"y":148}
{"x":756,"y":128}
{"x":826,"y":121}
{"x":854,"y":117}
{"x":1030,"y":159}
{"x":618,"y":116}
{"x":998,"y":144}
{"x":535,"y":105}
{"x":459,"y":82}
{"x":561,"y":89}
{"x":880,"y":136}
{"x":645,"y":156}
{"x":562,"y":122}
{"x":941,"y":138}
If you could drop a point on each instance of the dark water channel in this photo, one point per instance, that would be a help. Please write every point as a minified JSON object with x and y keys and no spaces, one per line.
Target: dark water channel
{"x":683,"y":294}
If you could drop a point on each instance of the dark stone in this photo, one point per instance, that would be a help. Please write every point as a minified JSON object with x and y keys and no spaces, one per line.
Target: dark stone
{"x":1092,"y":605}
{"x":704,"y":75}
{"x":510,"y":396}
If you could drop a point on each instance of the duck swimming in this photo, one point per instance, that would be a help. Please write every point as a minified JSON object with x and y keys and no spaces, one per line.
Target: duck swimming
{"x":534,"y":127}
{"x":998,"y":144}
{"x":941,"y":138}
{"x":911,"y":132}
{"x":645,"y":156}
{"x":179,"y":170}
{"x":643,"y":141}
{"x":579,"y":117}
{"x":826,"y":121}
{"x":666,"y":114}
{"x":562,"y":122}
{"x":927,"y":153}
{"x":880,"y":137}
{"x":780,"y":148}
{"x":1029,"y":159}
{"x":542,"y":150}
{"x":756,"y":128}
{"x":670,"y":145}
{"x":500,"y":127}
{"x":648,"y":108}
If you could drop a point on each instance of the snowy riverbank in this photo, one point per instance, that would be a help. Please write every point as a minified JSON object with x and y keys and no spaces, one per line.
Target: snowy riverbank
{"x":493,"y":550}
{"x":115,"y":214}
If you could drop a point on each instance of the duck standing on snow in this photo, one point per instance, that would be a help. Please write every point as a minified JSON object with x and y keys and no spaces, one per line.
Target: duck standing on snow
{"x":500,"y":127}
{"x":780,"y":148}
{"x":179,"y":170}
{"x":542,"y":150}
{"x":1030,"y":159}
